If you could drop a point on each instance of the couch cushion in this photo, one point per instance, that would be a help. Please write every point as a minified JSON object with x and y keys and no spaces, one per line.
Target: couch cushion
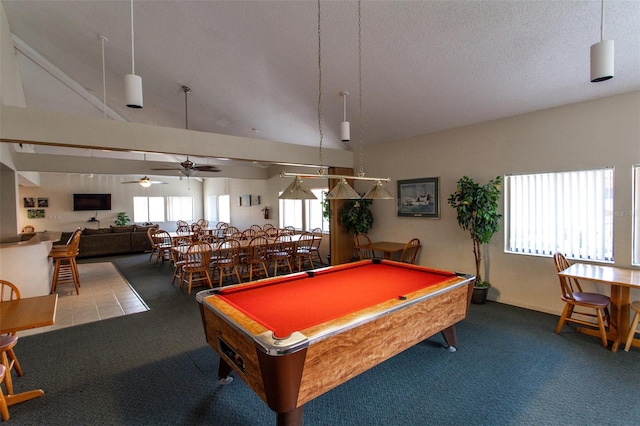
{"x":122,"y":229}
{"x":91,"y":231}
{"x":144,"y":228}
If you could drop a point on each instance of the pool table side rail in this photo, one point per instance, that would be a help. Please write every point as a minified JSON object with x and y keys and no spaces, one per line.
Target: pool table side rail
{"x":343,"y":356}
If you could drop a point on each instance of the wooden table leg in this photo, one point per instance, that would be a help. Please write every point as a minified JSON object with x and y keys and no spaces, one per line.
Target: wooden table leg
{"x":619,"y":311}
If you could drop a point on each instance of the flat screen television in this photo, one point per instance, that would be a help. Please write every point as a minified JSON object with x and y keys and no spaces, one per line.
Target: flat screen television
{"x":91,"y":202}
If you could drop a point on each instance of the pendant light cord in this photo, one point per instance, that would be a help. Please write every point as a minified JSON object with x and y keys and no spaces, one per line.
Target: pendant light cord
{"x":133,"y":61}
{"x":361,"y":172}
{"x":602,"y":21}
{"x":104,"y":81}
{"x":320,"y":89}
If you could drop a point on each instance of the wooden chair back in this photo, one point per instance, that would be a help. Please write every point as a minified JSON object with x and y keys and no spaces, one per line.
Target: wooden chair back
{"x":568,"y":285}
{"x":410,"y":251}
{"x":8,"y":291}
{"x":360,"y":240}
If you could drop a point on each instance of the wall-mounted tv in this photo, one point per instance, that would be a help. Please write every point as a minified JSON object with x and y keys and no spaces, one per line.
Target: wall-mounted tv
{"x":91,"y":202}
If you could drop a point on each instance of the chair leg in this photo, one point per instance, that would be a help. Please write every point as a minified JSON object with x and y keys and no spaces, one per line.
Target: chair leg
{"x":4,"y":410}
{"x":566,"y":313}
{"x":603,"y":332}
{"x":56,"y":272}
{"x":14,"y":360}
{"x":8,"y":382}
{"x":632,"y":331}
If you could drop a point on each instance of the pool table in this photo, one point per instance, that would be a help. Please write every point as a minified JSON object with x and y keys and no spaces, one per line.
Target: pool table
{"x":295,"y":337}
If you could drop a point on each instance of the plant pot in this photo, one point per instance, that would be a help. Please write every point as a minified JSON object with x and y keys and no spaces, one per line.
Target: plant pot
{"x":479,"y":295}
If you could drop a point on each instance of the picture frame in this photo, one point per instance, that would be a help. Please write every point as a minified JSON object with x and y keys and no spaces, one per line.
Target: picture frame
{"x":43,"y":202}
{"x":245,"y":201}
{"x":255,"y":200}
{"x":35,"y":213}
{"x":29,"y":202}
{"x":419,"y":198}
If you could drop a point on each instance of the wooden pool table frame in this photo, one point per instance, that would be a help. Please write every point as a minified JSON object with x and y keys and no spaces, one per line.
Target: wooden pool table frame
{"x":288,"y":374}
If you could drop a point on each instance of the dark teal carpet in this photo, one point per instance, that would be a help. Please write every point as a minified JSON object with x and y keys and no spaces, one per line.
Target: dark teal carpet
{"x":155,"y":368}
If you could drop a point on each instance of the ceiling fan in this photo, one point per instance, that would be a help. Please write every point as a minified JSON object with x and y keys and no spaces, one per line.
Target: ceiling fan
{"x":187,"y":167}
{"x":146,"y":182}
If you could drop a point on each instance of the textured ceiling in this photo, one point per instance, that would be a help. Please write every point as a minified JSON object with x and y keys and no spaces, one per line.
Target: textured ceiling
{"x":427,"y":65}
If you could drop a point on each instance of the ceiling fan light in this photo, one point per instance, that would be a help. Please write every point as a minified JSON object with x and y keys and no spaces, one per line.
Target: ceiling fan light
{"x":298,"y":190}
{"x":133,"y":90}
{"x":602,"y":55}
{"x":188,"y":172}
{"x":145,"y":182}
{"x":378,"y":192}
{"x":342,"y":191}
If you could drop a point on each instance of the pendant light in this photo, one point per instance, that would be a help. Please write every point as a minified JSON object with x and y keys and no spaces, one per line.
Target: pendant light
{"x":133,"y":82}
{"x":298,"y":190}
{"x":602,"y":55}
{"x":345,"y":128}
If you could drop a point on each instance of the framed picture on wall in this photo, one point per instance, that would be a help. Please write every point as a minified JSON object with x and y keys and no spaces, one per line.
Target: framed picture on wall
{"x":419,"y":198}
{"x":255,"y":200}
{"x":35,"y":213}
{"x":43,"y":202}
{"x":245,"y":201}
{"x":29,"y":202}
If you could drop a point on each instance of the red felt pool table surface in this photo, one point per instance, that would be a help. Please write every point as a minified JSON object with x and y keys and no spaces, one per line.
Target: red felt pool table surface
{"x":300,"y":301}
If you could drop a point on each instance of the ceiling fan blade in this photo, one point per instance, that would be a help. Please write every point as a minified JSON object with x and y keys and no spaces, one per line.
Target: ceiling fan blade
{"x":207,"y":168}
{"x":172,"y":168}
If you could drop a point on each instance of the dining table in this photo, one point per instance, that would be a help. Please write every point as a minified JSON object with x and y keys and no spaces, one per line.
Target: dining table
{"x":25,"y":314}
{"x":621,"y":280}
{"x":386,"y":247}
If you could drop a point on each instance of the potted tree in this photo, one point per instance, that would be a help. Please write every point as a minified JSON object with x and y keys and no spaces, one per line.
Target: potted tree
{"x":477,"y":209}
{"x":122,"y":219}
{"x":356,"y":217}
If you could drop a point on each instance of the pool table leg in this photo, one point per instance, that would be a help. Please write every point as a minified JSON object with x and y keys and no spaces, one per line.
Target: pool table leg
{"x":450,"y":338}
{"x":292,"y":418}
{"x":224,"y":372}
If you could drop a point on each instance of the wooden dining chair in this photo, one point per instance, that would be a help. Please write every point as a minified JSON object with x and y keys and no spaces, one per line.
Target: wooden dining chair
{"x":282,"y":253}
{"x":225,"y":260}
{"x":302,"y":255}
{"x":257,"y":258}
{"x":573,"y":296}
{"x":410,"y":251}
{"x":634,"y":325}
{"x":315,"y":245}
{"x":28,"y":229}
{"x":162,"y":241}
{"x":9,"y":291}
{"x":197,"y":263}
{"x":178,"y":257}
{"x":360,"y":240}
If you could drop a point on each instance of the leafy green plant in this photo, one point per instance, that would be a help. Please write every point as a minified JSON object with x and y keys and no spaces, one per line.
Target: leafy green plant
{"x":122,"y":219}
{"x":326,"y":209}
{"x":356,"y":217}
{"x":477,"y":209}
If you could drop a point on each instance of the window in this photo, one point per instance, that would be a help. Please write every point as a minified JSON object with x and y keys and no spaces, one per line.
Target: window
{"x":636,"y":215}
{"x":148,"y":209}
{"x":570,"y":212}
{"x":304,"y":214}
{"x":224,"y":208}
{"x":180,"y":208}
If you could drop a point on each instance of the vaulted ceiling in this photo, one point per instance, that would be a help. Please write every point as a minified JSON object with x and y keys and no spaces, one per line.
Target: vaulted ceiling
{"x":252,"y":66}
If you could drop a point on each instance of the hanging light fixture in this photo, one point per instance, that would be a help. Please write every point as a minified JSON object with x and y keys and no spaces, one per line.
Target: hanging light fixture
{"x":133,"y":82}
{"x":298,"y":190}
{"x":602,"y":55}
{"x":103,"y":39}
{"x":345,"y":128}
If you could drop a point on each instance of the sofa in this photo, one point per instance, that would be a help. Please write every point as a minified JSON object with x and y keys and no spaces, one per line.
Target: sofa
{"x":112,"y":240}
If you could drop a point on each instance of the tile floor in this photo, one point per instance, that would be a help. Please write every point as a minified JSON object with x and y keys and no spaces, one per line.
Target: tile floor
{"x":104,"y":293}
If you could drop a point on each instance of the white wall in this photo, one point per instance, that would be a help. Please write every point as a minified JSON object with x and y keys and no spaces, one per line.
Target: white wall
{"x":604,"y":132}
{"x":60,"y":187}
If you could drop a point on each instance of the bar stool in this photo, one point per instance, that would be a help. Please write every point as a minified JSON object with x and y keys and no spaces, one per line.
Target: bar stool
{"x":634,"y":324}
{"x":64,"y":259}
